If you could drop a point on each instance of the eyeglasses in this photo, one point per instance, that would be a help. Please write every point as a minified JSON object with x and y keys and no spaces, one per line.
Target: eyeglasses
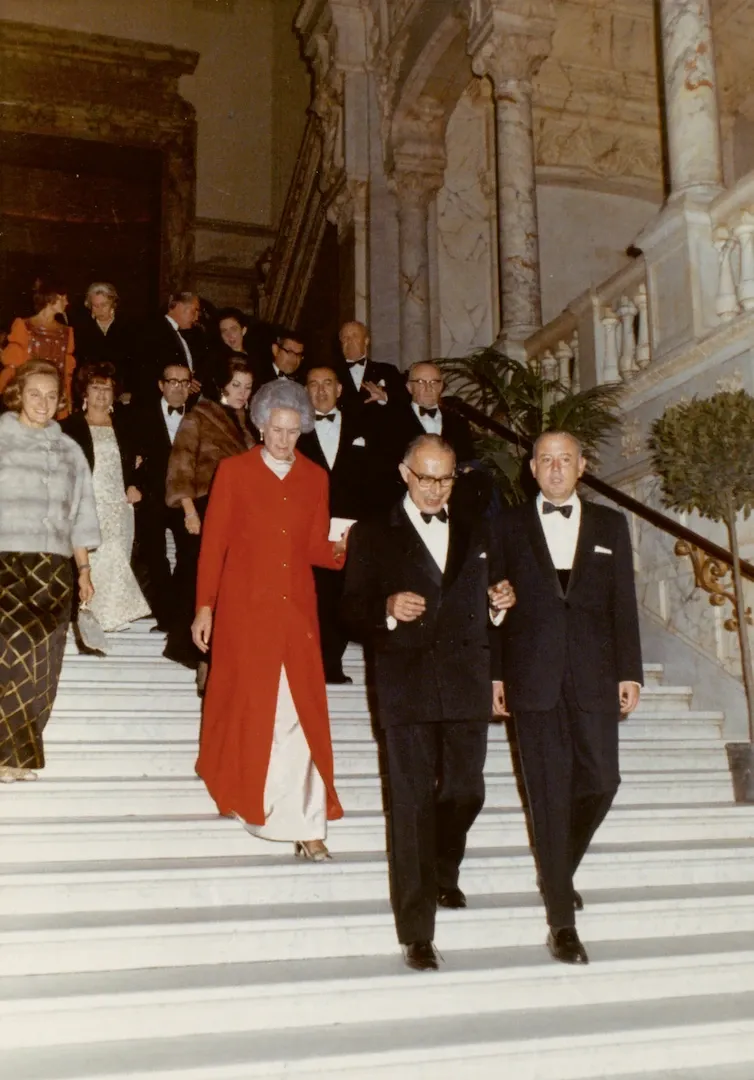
{"x":174,"y":383}
{"x":292,"y":352}
{"x":428,"y":482}
{"x":426,"y":384}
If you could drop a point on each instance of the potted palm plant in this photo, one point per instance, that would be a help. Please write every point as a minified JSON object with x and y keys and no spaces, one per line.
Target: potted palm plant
{"x":703,"y":452}
{"x":527,"y":403}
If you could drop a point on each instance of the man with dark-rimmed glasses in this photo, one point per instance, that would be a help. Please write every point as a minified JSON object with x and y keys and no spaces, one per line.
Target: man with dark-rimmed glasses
{"x":418,"y":586}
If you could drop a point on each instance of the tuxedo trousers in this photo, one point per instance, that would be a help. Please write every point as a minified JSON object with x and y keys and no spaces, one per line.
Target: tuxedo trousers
{"x":170,"y":594}
{"x":435,"y":781}
{"x":333,"y":634}
{"x":569,"y":758}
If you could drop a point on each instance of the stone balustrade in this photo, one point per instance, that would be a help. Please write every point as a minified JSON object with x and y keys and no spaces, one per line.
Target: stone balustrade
{"x":732,"y":218}
{"x":602,"y":337}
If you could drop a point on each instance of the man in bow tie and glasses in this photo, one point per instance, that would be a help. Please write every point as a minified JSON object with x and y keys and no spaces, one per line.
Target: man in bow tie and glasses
{"x":424,"y":412}
{"x":155,"y":425}
{"x":284,"y":361}
{"x":418,"y":588}
{"x":571,"y":668}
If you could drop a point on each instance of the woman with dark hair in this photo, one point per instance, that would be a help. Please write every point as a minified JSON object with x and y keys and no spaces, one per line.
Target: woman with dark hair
{"x":209,"y":433}
{"x":266,"y":752}
{"x":103,"y":433}
{"x":232,"y":327}
{"x":44,"y":336}
{"x":47,"y":515}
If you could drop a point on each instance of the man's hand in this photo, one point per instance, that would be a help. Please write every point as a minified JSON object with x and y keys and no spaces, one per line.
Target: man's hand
{"x":133,"y":495}
{"x":628,"y":693}
{"x":501,"y":596}
{"x":195,"y":386}
{"x":406,"y":606}
{"x":201,"y":629}
{"x":498,"y":700}
{"x":376,"y":392}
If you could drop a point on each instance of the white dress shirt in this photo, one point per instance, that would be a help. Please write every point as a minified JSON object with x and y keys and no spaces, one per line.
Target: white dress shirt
{"x":435,"y":535}
{"x":172,"y":420}
{"x":328,"y":434}
{"x":561,"y":534}
{"x":356,"y":371}
{"x":186,"y":349}
{"x":431,"y":424}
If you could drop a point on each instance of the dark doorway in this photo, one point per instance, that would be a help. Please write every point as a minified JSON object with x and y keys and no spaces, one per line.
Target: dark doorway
{"x":320,"y":315}
{"x":79,"y":211}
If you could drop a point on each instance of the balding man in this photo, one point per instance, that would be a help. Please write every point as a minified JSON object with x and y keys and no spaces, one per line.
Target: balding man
{"x":571,"y":667}
{"x":366,"y":381}
{"x":424,"y":413}
{"x":172,"y":339}
{"x":416,"y":589}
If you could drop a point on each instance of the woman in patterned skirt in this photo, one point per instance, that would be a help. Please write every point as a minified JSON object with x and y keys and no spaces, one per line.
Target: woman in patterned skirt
{"x":47,"y":514}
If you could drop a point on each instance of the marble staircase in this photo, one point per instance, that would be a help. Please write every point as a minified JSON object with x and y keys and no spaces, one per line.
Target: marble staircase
{"x":143,"y":937}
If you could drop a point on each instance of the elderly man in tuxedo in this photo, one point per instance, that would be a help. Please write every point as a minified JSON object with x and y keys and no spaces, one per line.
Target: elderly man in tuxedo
{"x":571,"y":668}
{"x":338,"y":445}
{"x":417,"y":587}
{"x":155,"y":425}
{"x":366,"y":381}
{"x":424,"y":412}
{"x":171,"y":339}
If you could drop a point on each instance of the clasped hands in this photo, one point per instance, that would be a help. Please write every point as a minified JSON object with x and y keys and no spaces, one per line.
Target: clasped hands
{"x":408,"y":606}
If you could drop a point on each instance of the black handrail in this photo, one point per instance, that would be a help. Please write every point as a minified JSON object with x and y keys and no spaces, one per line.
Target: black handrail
{"x":626,"y":502}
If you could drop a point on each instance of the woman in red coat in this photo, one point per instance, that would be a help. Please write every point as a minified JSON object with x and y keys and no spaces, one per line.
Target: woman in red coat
{"x":265,"y":751}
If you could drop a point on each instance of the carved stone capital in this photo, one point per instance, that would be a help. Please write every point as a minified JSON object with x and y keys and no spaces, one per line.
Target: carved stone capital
{"x":510,"y":39}
{"x":419,"y":156}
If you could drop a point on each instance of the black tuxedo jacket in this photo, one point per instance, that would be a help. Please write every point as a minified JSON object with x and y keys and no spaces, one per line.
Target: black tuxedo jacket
{"x":593,"y":627}
{"x":376,"y":372}
{"x":455,"y":430}
{"x":264,"y":372}
{"x":441,"y":666}
{"x":153,"y":446}
{"x":351,"y":472}
{"x":77,"y":428}
{"x":159,"y":345}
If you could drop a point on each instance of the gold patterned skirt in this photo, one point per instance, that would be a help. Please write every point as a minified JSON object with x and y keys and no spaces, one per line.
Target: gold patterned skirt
{"x":35,"y":610}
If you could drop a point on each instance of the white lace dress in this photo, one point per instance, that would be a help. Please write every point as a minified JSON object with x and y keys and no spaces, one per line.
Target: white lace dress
{"x":118,"y":600}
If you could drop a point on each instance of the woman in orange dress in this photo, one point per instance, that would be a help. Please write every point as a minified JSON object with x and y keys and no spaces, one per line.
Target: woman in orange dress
{"x":265,"y":751}
{"x":43,"y":337}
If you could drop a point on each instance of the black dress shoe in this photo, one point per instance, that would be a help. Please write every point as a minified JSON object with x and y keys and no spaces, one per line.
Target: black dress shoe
{"x":338,"y":680}
{"x":421,"y":956}
{"x":158,"y":629}
{"x":451,"y":898}
{"x":578,"y":902}
{"x":564,"y":945}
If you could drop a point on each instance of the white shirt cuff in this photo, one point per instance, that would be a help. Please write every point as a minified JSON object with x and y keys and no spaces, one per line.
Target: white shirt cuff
{"x":391,"y":622}
{"x":497,"y":616}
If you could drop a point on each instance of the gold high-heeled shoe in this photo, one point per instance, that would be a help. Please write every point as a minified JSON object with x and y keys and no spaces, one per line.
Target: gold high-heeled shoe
{"x":304,"y":849}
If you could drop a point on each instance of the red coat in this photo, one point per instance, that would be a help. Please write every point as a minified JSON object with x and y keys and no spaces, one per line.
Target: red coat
{"x":260,"y":538}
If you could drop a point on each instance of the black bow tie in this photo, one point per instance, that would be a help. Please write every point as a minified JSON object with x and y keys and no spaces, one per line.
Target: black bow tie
{"x":441,"y":515}
{"x":326,"y":416}
{"x":551,"y":508}
{"x":180,"y":409}
{"x":357,"y":363}
{"x":428,"y":412}
{"x":283,"y":375}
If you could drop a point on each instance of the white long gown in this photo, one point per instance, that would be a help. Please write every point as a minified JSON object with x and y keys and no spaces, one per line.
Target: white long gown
{"x":118,"y":600}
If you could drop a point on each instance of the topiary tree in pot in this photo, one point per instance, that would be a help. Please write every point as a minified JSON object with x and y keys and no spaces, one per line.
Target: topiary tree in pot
{"x":703,"y":452}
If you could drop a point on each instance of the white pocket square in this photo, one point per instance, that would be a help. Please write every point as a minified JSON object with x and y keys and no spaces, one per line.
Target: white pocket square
{"x":602,"y":551}
{"x":483,"y":555}
{"x":359,"y":441}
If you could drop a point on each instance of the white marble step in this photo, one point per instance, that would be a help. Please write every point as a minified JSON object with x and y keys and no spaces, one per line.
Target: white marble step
{"x":89,"y":797}
{"x":114,"y":940}
{"x":43,"y":840}
{"x":172,"y":884}
{"x":97,"y":724}
{"x":177,"y":759}
{"x":581,"y":1042}
{"x":213,"y":999}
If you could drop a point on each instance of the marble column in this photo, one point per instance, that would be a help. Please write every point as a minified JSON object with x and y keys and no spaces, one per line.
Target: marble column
{"x":511,"y":60}
{"x":414,"y":191}
{"x":693,"y":121}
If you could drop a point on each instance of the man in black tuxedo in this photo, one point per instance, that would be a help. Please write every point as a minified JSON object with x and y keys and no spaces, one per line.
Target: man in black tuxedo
{"x":338,"y":445}
{"x":366,"y":382}
{"x":172,"y":339}
{"x":284,"y":362}
{"x":571,"y":668}
{"x":423,"y":412}
{"x":417,"y":588}
{"x":155,"y":426}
